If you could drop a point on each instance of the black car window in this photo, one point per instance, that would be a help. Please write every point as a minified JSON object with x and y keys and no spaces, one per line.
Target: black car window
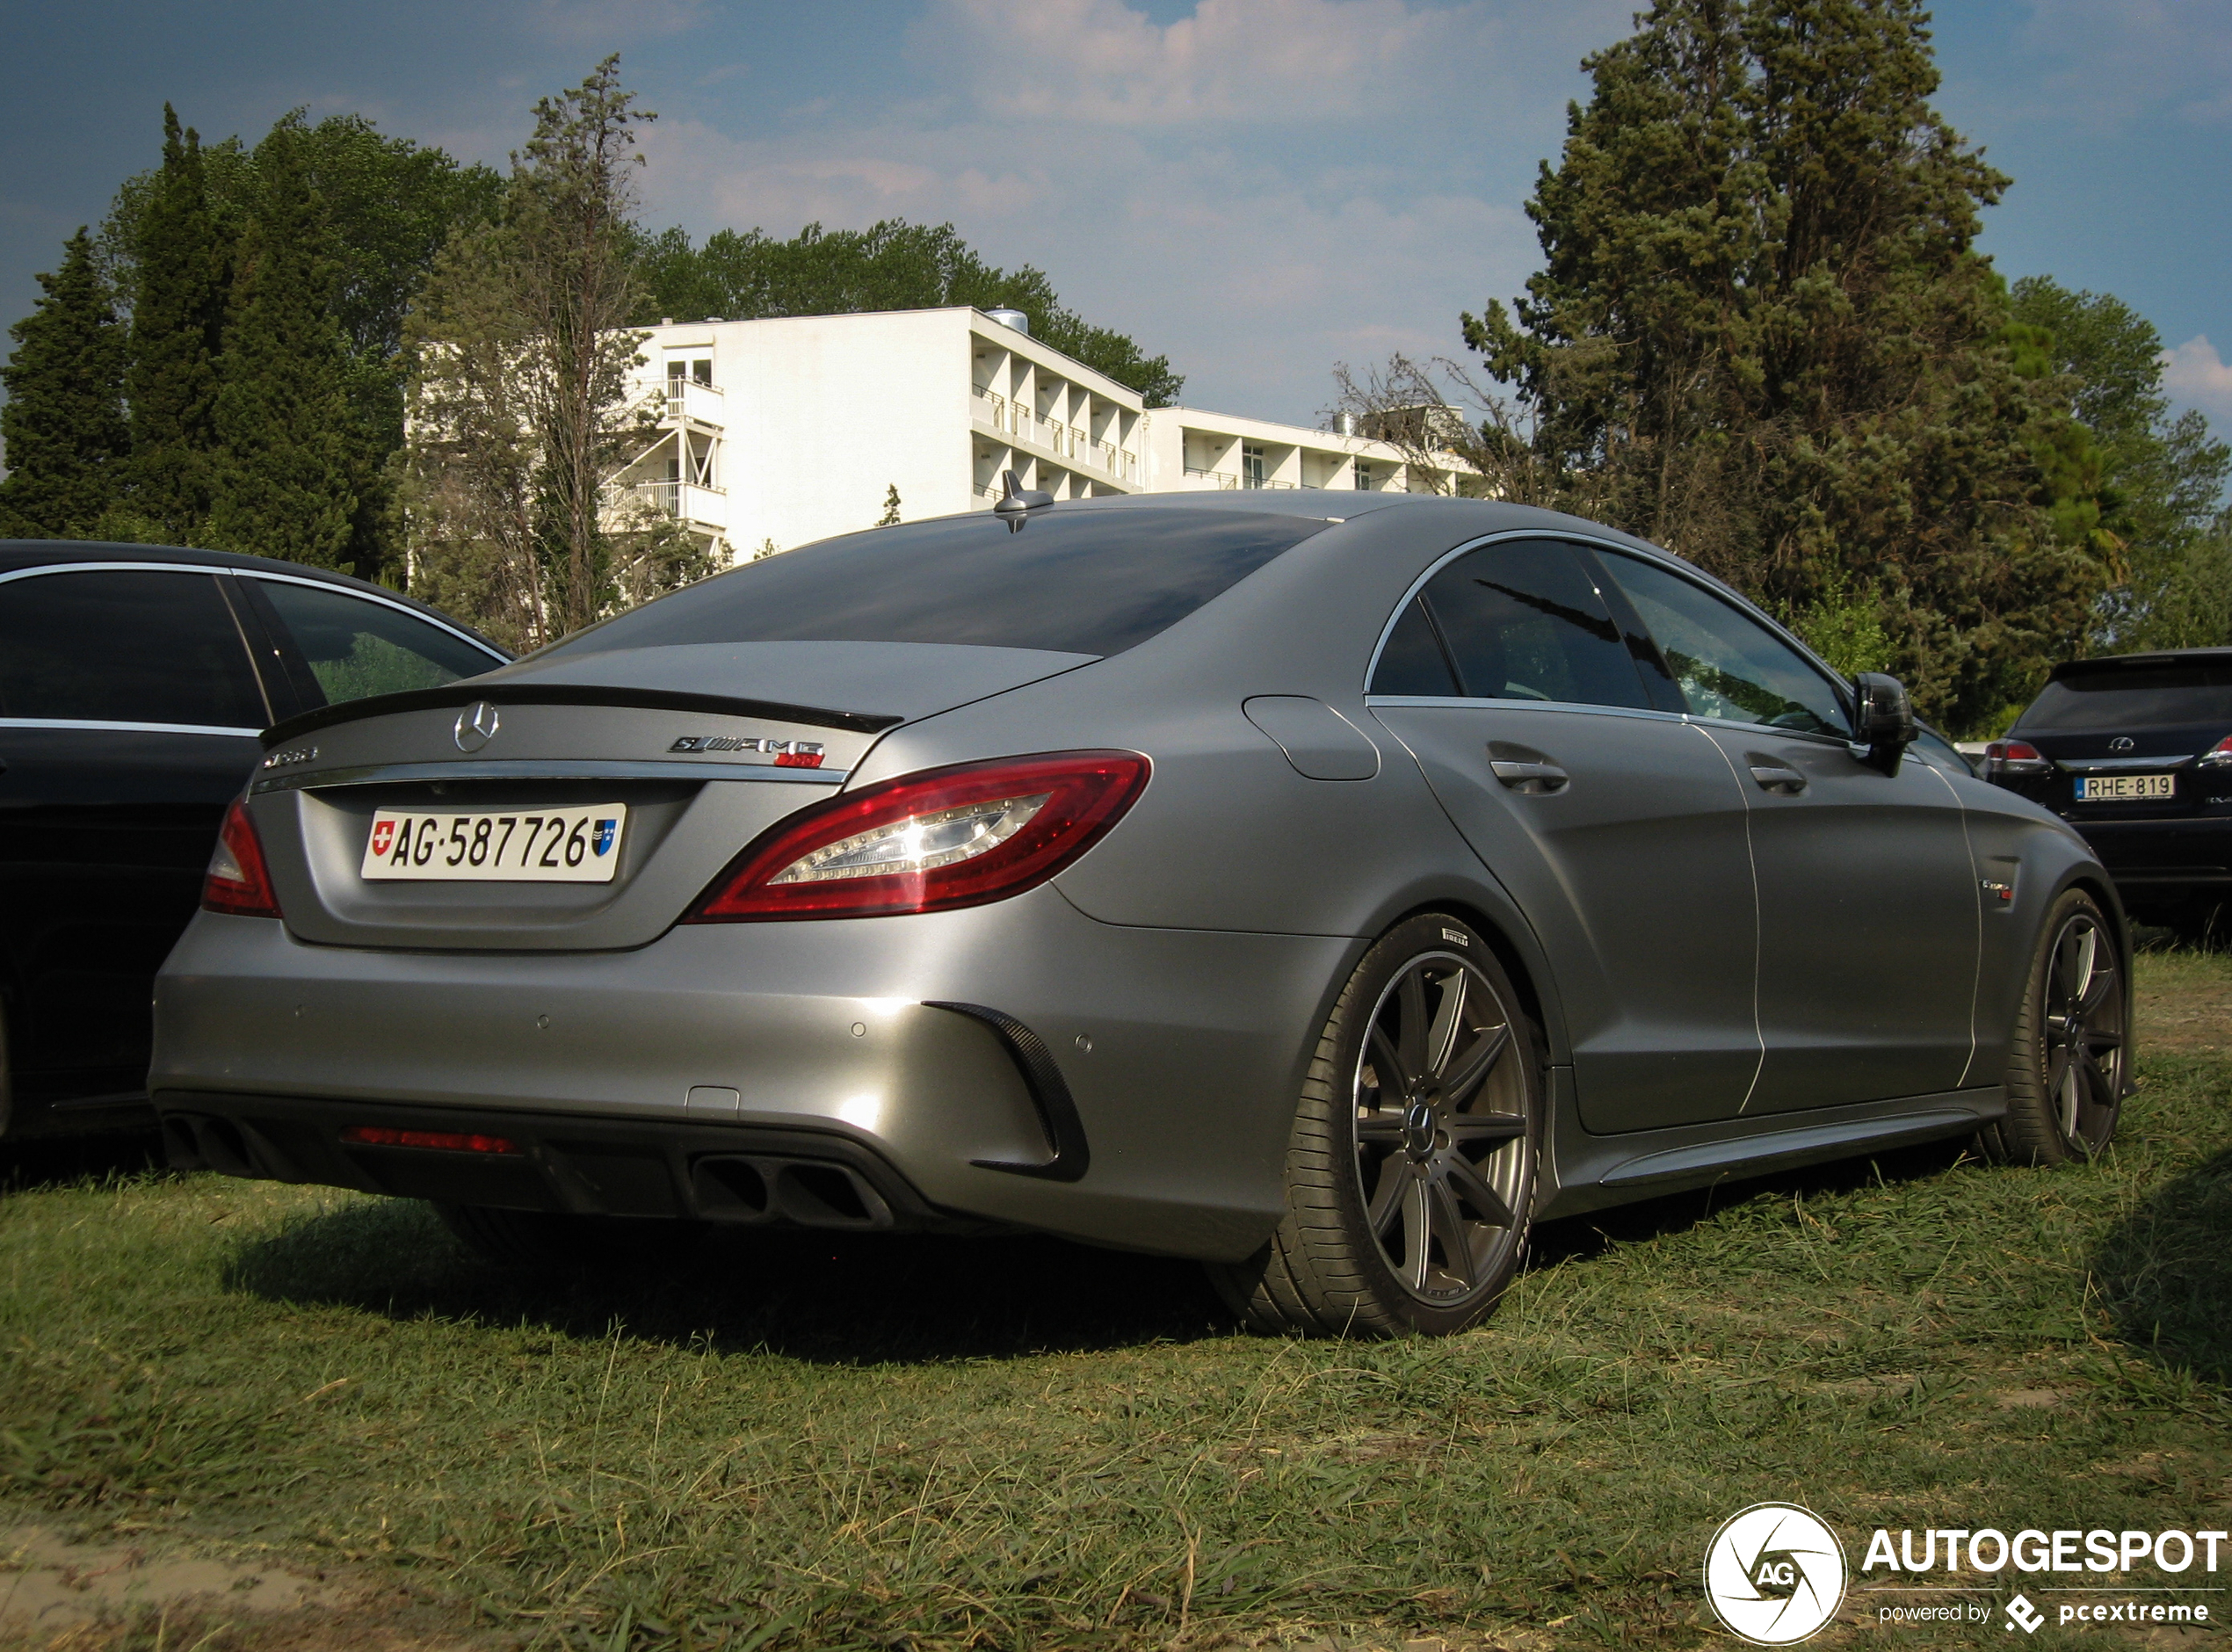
{"x":2133,"y":697}
{"x":356,"y":647}
{"x":1522,"y":621}
{"x":113,"y":645}
{"x":1730,"y":667}
{"x":1412,"y":661}
{"x":1088,"y":582}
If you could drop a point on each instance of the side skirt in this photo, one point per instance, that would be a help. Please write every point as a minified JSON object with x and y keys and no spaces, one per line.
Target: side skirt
{"x":1583,"y":1172}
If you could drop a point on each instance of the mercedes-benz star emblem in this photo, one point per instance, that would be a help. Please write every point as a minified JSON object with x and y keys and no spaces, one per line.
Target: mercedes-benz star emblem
{"x":476,"y":726}
{"x":2122,"y":743}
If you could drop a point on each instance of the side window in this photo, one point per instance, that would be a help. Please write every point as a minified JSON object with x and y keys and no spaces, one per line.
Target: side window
{"x":1523,"y":621}
{"x":356,"y":647}
{"x":117,"y":645}
{"x":1413,"y":663}
{"x":1730,"y":668}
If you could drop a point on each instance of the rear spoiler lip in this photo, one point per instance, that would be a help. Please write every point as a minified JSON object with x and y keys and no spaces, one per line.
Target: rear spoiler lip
{"x":466,"y":692}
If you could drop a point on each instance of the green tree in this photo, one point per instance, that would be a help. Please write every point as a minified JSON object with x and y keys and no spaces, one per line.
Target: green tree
{"x":890,"y":517}
{"x":391,"y":204}
{"x":63,"y":423}
{"x":280,"y":480}
{"x":1762,"y":337}
{"x":182,"y":264}
{"x":2164,"y":478}
{"x":521,"y":355}
{"x":891,"y":265}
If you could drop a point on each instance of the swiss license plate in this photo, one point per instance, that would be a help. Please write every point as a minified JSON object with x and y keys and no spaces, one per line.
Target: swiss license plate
{"x":512,"y":846}
{"x":2125,"y":788}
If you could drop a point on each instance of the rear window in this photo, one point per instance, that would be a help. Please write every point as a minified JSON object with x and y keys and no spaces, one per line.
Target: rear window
{"x":2134,"y":696}
{"x":1089,"y":582}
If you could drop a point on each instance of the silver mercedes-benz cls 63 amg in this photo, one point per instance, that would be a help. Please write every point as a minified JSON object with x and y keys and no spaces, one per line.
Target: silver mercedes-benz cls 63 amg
{"x":1323,"y":886}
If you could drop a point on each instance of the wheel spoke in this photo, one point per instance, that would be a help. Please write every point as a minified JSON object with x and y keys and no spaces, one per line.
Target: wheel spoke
{"x":1379,"y":1127}
{"x":1449,"y":1021}
{"x":2103,"y":983}
{"x":1449,"y":1226}
{"x":1466,"y":1180}
{"x":1386,"y":1065}
{"x":1470,"y":1129}
{"x":1410,"y":1037}
{"x":1418,"y":1232}
{"x":1465,"y":1078}
{"x":1395,"y":1179}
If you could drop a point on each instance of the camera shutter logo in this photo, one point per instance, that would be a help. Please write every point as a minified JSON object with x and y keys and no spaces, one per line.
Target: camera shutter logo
{"x":1775,"y":1574}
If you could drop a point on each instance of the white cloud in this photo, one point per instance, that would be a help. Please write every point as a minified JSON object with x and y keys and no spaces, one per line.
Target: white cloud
{"x":2195,"y":375}
{"x":1261,"y":188}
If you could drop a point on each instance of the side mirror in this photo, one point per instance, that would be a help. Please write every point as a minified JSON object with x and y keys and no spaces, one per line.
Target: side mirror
{"x":1882,"y":718}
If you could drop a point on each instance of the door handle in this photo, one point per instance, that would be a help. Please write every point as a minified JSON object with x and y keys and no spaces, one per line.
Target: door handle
{"x":1534,"y":779}
{"x":1778,"y":778}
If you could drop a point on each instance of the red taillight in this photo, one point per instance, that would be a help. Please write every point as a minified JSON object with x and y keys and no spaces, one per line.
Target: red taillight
{"x":923,"y":843}
{"x":2012,"y":752}
{"x":2218,"y":756}
{"x":237,"y":881}
{"x":380,"y":1135}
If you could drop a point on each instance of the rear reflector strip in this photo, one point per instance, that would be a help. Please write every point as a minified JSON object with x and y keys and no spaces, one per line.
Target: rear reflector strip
{"x":380,"y":1135}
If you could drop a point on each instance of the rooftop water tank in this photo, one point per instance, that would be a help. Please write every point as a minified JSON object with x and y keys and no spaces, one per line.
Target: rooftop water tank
{"x":1014,"y":318}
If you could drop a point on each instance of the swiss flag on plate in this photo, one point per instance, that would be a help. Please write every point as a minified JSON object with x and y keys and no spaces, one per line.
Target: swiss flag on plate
{"x":383,"y":833}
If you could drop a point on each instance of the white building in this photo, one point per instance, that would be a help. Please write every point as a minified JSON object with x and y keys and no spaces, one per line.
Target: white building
{"x":786,"y":431}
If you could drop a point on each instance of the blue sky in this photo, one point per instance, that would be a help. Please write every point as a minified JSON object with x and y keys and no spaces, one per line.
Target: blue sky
{"x":1259,"y":188}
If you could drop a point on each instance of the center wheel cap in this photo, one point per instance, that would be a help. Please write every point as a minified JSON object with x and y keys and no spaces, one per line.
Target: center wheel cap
{"x":1419,"y":1128}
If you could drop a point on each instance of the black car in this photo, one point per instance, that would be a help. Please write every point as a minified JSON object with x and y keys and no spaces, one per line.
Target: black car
{"x":2135,"y":751}
{"x":134,"y":682}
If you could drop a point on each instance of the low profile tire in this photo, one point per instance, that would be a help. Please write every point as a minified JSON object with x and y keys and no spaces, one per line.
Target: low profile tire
{"x":2066,"y":1059}
{"x":1410,"y":1171}
{"x":544,"y":1241}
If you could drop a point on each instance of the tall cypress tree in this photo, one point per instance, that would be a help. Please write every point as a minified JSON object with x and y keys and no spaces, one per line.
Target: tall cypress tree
{"x":177,"y":328}
{"x":280,"y":485}
{"x":63,"y":422}
{"x":1763,"y":336}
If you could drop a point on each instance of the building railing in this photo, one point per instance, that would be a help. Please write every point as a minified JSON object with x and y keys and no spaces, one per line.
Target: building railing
{"x":674,"y":498}
{"x":690,"y":398}
{"x":1225,"y":482}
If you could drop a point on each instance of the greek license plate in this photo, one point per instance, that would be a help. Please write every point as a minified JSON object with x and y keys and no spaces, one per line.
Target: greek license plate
{"x":542,"y":845}
{"x":2125,"y":788}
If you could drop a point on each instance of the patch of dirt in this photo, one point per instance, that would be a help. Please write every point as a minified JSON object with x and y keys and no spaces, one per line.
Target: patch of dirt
{"x":56,"y":1595}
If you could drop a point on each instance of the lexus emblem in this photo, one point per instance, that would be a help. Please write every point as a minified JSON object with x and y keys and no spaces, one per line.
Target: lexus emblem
{"x":476,"y":726}
{"x":2121,"y":742}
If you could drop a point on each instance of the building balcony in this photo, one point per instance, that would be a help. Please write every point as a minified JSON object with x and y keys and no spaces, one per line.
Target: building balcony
{"x":1230,"y":482}
{"x":694,"y":505}
{"x":689,"y":401}
{"x":1068,"y":443}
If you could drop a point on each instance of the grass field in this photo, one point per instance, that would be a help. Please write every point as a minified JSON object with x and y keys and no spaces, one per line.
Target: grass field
{"x":1017,"y":1444}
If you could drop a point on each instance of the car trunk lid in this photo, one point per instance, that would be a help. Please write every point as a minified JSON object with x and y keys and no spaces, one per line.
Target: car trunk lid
{"x":703,"y":753}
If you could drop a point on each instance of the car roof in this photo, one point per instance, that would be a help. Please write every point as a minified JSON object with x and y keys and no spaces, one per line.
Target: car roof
{"x":2156,"y":657}
{"x":18,"y":555}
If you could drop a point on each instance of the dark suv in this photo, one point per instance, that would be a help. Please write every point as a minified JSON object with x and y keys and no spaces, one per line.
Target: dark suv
{"x":2135,"y":751}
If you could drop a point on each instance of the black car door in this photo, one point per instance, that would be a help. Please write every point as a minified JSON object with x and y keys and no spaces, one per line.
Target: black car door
{"x":1616,"y":826}
{"x":128,"y":716}
{"x":1868,"y":904}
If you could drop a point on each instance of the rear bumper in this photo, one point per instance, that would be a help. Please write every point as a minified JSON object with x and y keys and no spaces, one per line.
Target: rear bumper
{"x":1181,"y":1054}
{"x":2162,"y":857}
{"x":554,"y":1161}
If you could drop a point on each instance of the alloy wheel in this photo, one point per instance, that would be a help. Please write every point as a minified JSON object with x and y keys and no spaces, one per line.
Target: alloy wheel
{"x":2083,"y":1053}
{"x":1444,"y":1152}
